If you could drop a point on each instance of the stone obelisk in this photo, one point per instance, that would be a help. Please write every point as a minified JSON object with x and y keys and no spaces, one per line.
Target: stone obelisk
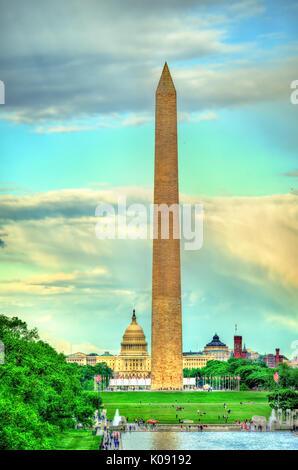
{"x":166,"y":341}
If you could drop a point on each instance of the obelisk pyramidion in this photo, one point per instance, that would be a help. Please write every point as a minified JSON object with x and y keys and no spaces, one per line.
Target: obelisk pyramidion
{"x":166,"y":341}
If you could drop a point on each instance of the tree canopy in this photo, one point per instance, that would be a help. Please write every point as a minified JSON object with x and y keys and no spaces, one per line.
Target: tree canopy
{"x":40,"y":394}
{"x":252,"y":374}
{"x":88,"y":372}
{"x":284,"y":399}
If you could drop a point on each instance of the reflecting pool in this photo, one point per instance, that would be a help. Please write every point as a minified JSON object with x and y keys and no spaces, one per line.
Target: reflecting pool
{"x":162,"y":440}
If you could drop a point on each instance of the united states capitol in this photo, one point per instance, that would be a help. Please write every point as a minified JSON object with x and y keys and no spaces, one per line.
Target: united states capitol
{"x":134,"y":360}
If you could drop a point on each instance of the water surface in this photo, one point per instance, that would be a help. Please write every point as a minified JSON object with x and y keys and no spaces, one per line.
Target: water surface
{"x":162,"y":440}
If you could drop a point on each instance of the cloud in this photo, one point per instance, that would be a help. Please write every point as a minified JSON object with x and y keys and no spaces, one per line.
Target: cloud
{"x":114,"y":121}
{"x":293,"y":174}
{"x":68,"y":203}
{"x":191,"y":117}
{"x":72,"y":283}
{"x":10,"y":187}
{"x":63,"y":63}
{"x":284,"y":321}
{"x":210,"y":86}
{"x":136,"y":121}
{"x":66,"y":347}
{"x":258,"y":231}
{"x":247,"y":8}
{"x":56,"y":283}
{"x":67,"y":129}
{"x":44,"y":319}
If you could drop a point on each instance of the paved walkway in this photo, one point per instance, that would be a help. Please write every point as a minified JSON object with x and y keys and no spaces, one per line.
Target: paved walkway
{"x":112,"y":441}
{"x":191,"y":403}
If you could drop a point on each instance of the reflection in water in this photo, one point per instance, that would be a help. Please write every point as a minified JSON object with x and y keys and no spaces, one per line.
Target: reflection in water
{"x":162,"y":440}
{"x":169,"y":440}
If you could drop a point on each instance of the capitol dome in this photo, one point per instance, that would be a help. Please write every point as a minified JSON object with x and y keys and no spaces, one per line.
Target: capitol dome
{"x":134,"y":340}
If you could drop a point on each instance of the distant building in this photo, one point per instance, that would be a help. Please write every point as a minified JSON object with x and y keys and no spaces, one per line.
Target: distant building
{"x":238,"y":351}
{"x":237,"y":346}
{"x":79,"y":358}
{"x":134,"y":361}
{"x":291,"y":363}
{"x":273,"y":360}
{"x":217,"y":350}
{"x":244,"y":354}
{"x":195,"y":360}
{"x":253,"y":355}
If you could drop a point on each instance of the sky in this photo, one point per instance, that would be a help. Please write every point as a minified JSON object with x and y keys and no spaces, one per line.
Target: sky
{"x":77,"y":130}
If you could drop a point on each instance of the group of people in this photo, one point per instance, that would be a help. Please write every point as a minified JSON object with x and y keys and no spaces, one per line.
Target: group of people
{"x":225,"y":417}
{"x":111,"y":440}
{"x":131,"y":427}
{"x":246,"y":425}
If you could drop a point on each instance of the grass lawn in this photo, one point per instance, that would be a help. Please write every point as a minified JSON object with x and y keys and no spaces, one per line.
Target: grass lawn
{"x":167,"y":414}
{"x":158,"y":405}
{"x":78,"y":439}
{"x":183,"y":397}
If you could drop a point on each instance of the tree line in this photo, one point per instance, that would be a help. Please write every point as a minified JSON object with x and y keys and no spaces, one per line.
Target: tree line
{"x":255,"y":375}
{"x":40,"y":394}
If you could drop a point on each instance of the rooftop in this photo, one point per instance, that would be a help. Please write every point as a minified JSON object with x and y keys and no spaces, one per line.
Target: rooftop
{"x":216,"y":341}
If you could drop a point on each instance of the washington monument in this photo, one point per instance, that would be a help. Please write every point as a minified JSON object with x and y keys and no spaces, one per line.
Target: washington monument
{"x":166,"y":341}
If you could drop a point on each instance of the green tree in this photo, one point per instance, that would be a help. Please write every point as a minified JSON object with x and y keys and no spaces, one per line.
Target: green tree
{"x":252,"y":374}
{"x":286,"y":398}
{"x":88,"y":372}
{"x":38,"y":390}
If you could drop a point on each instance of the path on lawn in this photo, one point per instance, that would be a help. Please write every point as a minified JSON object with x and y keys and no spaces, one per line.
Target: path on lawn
{"x":191,"y":403}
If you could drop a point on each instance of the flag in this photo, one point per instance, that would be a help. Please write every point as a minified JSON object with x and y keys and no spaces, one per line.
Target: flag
{"x":276,"y":377}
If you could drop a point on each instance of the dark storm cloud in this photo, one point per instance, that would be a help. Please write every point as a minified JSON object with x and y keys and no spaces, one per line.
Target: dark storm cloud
{"x":65,"y":203}
{"x":36,"y":210}
{"x":61,"y":60}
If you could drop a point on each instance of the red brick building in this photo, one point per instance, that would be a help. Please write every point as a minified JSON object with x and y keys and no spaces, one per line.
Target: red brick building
{"x":237,"y":346}
{"x":273,"y":360}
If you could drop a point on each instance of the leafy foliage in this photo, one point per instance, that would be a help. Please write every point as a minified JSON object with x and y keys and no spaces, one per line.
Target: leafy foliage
{"x":252,"y":374}
{"x":286,"y":398}
{"x":87,"y":374}
{"x":40,"y":393}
